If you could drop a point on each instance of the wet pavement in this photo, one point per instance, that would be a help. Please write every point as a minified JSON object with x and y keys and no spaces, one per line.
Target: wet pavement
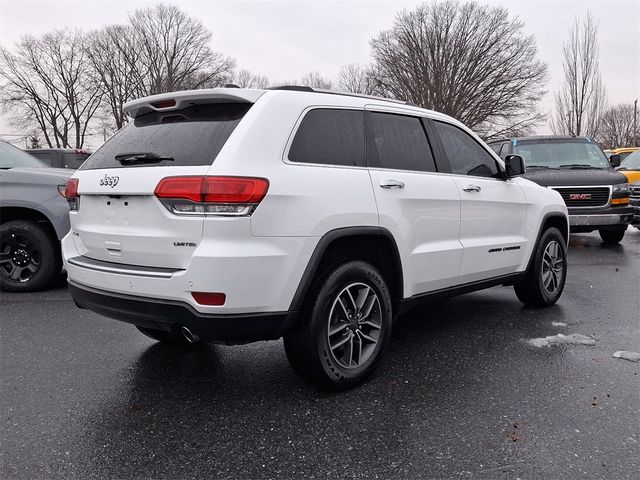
{"x":461,"y":393}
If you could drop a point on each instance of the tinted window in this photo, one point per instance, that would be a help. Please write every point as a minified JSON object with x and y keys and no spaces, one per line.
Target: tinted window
{"x":74,"y":160}
{"x":191,"y":136}
{"x":466,"y":156}
{"x":400,"y":143}
{"x":333,"y":137}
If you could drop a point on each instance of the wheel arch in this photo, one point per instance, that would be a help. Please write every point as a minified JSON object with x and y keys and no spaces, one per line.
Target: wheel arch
{"x":8,"y":214}
{"x":371,"y":244}
{"x":550,"y":220}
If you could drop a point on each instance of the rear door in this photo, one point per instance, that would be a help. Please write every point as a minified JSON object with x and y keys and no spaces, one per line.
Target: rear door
{"x":119,"y":219}
{"x":419,"y":206}
{"x":493,"y":211}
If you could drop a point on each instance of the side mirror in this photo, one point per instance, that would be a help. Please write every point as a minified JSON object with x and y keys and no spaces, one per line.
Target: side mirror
{"x":514,"y":165}
{"x":614,"y":160}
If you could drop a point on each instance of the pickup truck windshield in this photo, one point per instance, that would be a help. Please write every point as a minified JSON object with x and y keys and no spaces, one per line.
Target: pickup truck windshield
{"x":562,"y":153}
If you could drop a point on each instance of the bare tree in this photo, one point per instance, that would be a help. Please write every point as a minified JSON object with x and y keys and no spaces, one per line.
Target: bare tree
{"x":44,"y":83}
{"x":356,"y":78}
{"x":246,"y":79}
{"x":117,"y":68}
{"x":468,"y":60}
{"x":316,"y":80}
{"x":616,"y":127}
{"x":582,"y":97}
{"x":174,"y":50}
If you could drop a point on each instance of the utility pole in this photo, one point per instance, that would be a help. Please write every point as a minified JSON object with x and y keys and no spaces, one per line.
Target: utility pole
{"x":635,"y":122}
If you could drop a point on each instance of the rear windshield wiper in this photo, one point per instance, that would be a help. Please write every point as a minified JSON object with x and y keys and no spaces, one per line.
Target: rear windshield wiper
{"x":146,"y":157}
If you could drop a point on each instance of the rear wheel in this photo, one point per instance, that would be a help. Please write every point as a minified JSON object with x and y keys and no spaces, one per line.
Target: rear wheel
{"x":29,"y":257}
{"x":611,"y":237}
{"x":544,"y":281}
{"x":173,"y":338}
{"x":345,"y":328}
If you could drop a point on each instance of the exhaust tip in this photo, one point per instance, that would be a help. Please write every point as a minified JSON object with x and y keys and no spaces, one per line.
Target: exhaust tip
{"x":189,"y":335}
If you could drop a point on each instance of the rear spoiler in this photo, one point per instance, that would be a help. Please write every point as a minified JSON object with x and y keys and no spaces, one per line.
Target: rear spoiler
{"x":166,"y":102}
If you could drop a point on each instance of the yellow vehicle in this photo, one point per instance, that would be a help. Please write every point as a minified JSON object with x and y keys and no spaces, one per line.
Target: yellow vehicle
{"x":630,"y":167}
{"x":622,"y":151}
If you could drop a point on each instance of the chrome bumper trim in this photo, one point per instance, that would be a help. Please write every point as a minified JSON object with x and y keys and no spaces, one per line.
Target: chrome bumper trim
{"x":118,"y":269}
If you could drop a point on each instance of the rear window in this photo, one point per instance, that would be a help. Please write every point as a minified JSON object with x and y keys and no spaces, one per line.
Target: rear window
{"x":49,"y":157}
{"x":74,"y":160}
{"x":330,"y":136}
{"x":191,"y":136}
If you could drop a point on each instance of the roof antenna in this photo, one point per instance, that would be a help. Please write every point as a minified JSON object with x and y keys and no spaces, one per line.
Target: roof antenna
{"x":230,"y":85}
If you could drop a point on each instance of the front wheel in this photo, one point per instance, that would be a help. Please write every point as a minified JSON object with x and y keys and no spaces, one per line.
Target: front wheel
{"x":544,"y":281}
{"x":29,"y":256}
{"x":344,"y":329}
{"x":611,"y":237}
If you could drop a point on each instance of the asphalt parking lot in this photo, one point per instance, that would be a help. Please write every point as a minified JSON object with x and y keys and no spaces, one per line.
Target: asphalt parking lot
{"x":460,"y":394}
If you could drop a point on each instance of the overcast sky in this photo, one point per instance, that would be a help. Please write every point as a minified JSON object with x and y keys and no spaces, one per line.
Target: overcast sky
{"x":285,"y":39}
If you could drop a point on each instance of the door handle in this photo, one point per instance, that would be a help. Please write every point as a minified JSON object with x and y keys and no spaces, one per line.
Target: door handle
{"x":471,"y":188}
{"x":391,"y":184}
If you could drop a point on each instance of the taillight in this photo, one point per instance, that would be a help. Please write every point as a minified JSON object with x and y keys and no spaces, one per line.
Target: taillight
{"x":201,"y":195}
{"x":71,"y":193}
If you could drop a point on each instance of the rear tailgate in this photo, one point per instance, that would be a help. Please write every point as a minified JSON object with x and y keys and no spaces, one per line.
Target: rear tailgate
{"x":119,"y":219}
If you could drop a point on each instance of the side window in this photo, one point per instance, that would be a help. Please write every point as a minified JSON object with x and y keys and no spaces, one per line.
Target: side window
{"x":400,"y":143}
{"x":330,"y":136}
{"x":496,"y":147}
{"x":465,"y":154}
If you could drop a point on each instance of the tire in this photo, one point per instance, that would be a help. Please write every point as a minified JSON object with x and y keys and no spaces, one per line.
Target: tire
{"x":166,"y":337}
{"x":29,"y":256}
{"x":611,"y":237}
{"x":544,"y":281}
{"x":331,"y":349}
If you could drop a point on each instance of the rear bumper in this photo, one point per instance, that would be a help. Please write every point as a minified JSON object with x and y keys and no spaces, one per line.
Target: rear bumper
{"x":171,"y":315}
{"x":609,"y":219}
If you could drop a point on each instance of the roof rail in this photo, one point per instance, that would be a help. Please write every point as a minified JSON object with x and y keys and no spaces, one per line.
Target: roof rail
{"x":305,"y":88}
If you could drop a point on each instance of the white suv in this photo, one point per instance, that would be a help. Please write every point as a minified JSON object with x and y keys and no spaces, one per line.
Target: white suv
{"x":233,"y":215}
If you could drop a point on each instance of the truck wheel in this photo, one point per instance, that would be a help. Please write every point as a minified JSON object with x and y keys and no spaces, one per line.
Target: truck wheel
{"x":611,"y":237}
{"x":345,"y":328}
{"x":544,"y":281}
{"x":29,"y":257}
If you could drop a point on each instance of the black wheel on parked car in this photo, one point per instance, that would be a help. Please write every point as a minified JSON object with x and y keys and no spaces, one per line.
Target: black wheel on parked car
{"x":544,"y":281}
{"x":29,"y":256}
{"x":611,"y":237}
{"x":344,"y":328}
{"x":173,"y":338}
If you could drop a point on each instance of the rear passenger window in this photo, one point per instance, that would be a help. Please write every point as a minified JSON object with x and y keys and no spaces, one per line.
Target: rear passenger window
{"x":465,"y":154}
{"x":400,"y":143}
{"x":331,"y":137}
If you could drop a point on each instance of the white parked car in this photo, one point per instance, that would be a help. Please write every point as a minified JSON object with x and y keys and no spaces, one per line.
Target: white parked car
{"x":233,"y":215}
